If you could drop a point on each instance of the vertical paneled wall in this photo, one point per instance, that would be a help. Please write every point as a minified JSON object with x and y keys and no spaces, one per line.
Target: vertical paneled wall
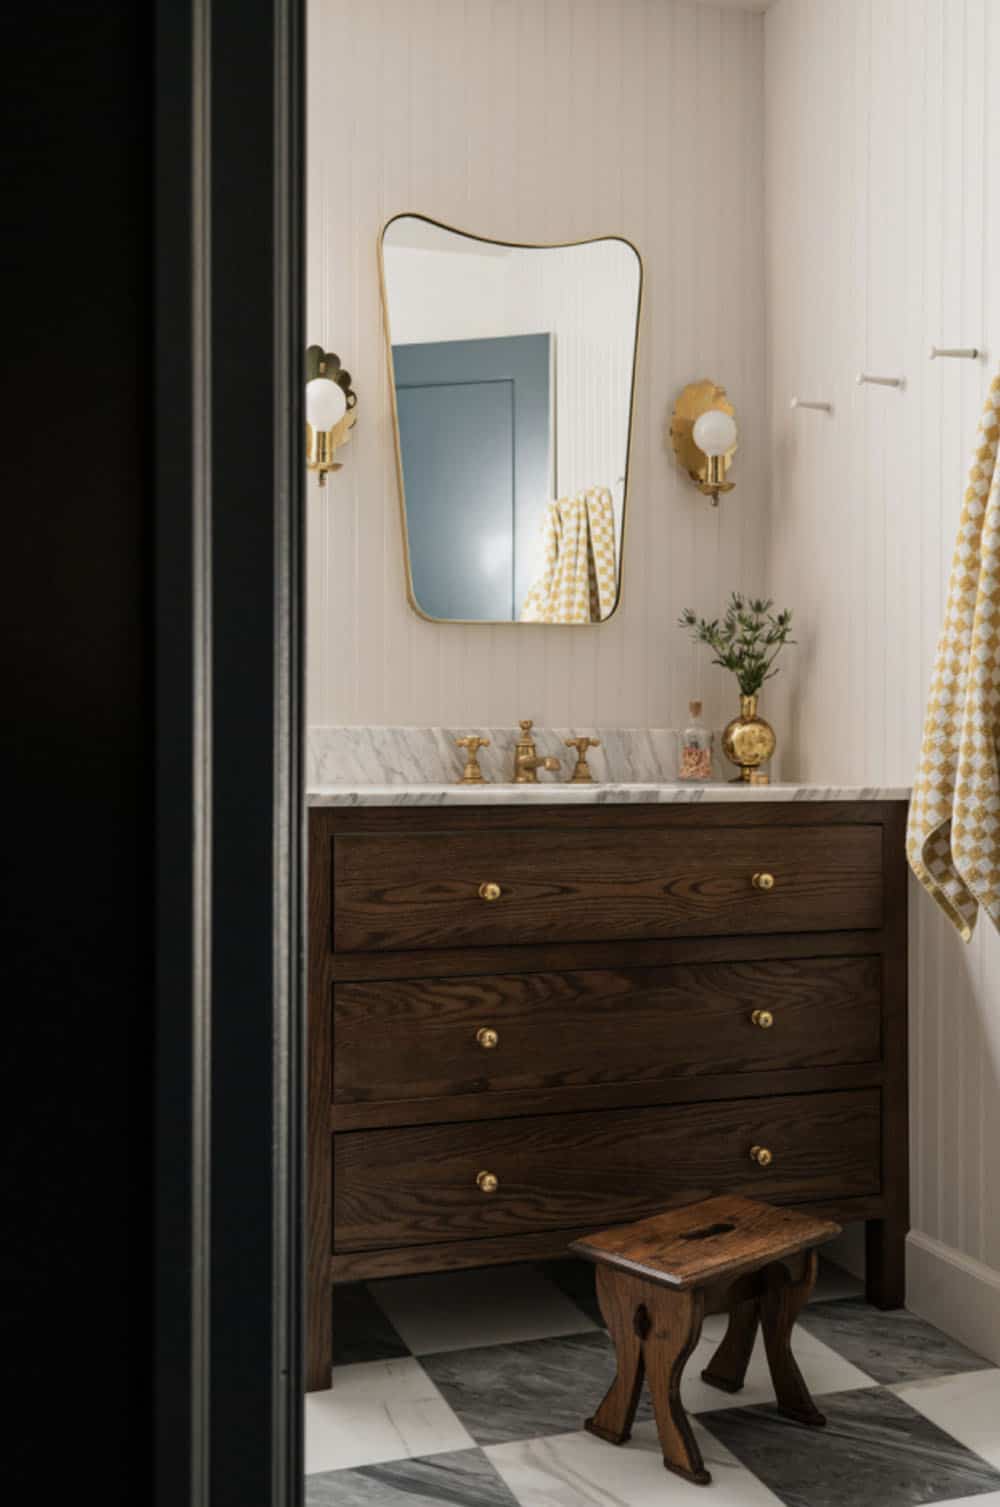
{"x":883,"y":237}
{"x":541,"y":120}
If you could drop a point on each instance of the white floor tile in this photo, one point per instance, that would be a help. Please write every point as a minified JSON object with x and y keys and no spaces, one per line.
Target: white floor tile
{"x":489,"y":1306}
{"x":824,"y":1371}
{"x":966,"y":1406}
{"x":990,"y":1499}
{"x":577,"y":1470}
{"x":380,"y":1410}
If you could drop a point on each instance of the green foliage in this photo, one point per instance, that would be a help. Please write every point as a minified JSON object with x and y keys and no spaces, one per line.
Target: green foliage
{"x":747,"y":641}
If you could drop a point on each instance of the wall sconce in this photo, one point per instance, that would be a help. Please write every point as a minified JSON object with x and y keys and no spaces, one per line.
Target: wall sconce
{"x":705,"y":438}
{"x":331,"y":409}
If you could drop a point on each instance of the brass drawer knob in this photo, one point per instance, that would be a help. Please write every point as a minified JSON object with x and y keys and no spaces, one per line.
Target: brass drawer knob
{"x":763,"y":881}
{"x":487,"y":1182}
{"x":489,"y":891}
{"x":762,"y":1018}
{"x":487,"y":1037}
{"x":761,"y":1155}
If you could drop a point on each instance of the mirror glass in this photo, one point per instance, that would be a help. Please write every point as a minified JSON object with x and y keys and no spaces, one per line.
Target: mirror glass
{"x":513,"y":371}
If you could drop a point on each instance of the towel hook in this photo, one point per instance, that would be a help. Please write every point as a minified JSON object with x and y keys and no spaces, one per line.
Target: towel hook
{"x":865,"y":378}
{"x":959,"y":352}
{"x":805,"y":403}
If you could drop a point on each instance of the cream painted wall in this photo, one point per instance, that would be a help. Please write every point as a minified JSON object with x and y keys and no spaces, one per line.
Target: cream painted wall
{"x":883,"y":237}
{"x":538,"y":121}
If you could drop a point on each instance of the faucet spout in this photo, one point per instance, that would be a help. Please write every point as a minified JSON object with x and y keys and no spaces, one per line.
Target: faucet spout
{"x":527,"y":761}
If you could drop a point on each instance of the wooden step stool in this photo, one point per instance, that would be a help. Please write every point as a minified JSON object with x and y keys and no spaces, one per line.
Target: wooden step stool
{"x":658,"y":1279}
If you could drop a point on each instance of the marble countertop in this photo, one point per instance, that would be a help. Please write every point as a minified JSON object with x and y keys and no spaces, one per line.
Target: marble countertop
{"x":555,"y":793}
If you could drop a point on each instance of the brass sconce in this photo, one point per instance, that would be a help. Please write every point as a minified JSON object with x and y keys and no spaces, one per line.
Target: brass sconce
{"x":704,"y":435}
{"x":331,"y":409}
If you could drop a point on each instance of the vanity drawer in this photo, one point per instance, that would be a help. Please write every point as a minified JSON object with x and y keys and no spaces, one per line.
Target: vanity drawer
{"x":419,"y":1184}
{"x":424,"y":1038}
{"x":433,"y":890}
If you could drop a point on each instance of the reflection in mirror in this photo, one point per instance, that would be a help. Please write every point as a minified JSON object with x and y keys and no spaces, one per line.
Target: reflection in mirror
{"x":513,"y":371}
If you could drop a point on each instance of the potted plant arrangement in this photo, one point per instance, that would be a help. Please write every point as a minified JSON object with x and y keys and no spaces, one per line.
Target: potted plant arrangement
{"x":747,"y":641}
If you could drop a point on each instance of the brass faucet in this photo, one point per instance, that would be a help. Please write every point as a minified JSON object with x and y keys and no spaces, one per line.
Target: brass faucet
{"x":526,"y":760}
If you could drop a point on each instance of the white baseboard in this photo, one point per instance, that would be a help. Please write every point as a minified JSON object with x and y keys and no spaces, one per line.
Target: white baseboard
{"x":954,"y":1292}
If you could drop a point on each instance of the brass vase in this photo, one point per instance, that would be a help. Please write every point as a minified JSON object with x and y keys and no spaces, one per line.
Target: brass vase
{"x":748,"y":741}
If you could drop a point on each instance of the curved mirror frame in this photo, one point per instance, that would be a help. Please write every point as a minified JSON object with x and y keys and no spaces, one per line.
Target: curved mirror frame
{"x":553,"y":489}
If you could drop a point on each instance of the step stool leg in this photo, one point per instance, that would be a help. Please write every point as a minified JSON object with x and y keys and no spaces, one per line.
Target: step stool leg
{"x":676,"y":1324}
{"x":728,"y":1367}
{"x":621,"y":1299}
{"x":780,"y":1305}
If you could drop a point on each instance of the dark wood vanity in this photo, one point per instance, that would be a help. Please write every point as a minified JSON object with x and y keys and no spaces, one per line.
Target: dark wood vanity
{"x":530,"y":1021}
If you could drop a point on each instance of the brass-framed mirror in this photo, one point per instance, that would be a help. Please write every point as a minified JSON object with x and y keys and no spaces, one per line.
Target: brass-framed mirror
{"x":512,"y":372}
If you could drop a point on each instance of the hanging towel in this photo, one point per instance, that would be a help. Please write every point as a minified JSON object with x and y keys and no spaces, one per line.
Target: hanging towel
{"x":579,"y":580}
{"x":953,"y":835}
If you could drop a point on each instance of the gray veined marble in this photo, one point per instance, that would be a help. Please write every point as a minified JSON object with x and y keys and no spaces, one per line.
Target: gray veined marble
{"x":891,"y":1347}
{"x":419,"y":766}
{"x":505,"y":1392}
{"x":875,"y":1451}
{"x":462,"y":1478}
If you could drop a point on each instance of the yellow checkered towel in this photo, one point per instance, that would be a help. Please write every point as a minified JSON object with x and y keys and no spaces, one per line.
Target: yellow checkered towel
{"x":578,"y":583}
{"x":953,"y":836}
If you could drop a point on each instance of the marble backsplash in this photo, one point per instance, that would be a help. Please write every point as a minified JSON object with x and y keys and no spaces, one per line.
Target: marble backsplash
{"x":428,"y":755}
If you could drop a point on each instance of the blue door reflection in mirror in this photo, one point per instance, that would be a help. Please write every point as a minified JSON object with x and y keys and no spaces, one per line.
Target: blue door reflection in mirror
{"x":474,"y":425}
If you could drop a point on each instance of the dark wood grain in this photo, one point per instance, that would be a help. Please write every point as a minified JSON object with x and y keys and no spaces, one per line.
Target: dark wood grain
{"x":704,"y":1242}
{"x":885,"y":1243}
{"x":574,"y":1005}
{"x":419,"y":1184}
{"x":422,"y":891}
{"x":538,"y":1245}
{"x":319,"y":1195}
{"x":417,"y":1038}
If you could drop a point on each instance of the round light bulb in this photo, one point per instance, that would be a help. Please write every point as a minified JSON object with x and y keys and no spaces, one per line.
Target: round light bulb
{"x":715,"y":432}
{"x":325,"y":403}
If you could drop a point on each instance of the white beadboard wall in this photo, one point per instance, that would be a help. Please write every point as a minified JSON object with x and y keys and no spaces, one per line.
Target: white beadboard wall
{"x":539,"y":120}
{"x":883,"y":237}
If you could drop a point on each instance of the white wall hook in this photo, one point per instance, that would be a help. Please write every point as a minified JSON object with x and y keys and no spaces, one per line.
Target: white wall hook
{"x":865,"y":379}
{"x":805,"y":403}
{"x":960,"y":352}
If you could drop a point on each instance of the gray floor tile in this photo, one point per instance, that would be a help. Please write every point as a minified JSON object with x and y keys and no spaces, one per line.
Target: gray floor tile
{"x":361,"y":1331}
{"x":464,"y":1478}
{"x":874,"y":1452}
{"x":505,"y":1392}
{"x":890,"y":1347}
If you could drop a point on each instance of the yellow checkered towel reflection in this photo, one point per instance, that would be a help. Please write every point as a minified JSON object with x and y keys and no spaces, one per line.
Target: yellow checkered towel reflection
{"x":579,"y":580}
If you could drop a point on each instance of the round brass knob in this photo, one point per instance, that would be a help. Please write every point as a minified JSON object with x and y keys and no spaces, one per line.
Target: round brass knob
{"x":487,"y":1182}
{"x":762,"y":1018}
{"x":763,"y":881}
{"x":761,"y":1155}
{"x":489,"y":891}
{"x":487,"y":1037}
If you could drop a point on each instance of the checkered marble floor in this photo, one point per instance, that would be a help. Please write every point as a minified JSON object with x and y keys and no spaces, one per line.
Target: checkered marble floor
{"x":469,"y":1390}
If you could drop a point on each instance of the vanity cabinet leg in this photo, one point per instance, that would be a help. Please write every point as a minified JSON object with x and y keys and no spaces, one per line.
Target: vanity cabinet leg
{"x":885,"y":1262}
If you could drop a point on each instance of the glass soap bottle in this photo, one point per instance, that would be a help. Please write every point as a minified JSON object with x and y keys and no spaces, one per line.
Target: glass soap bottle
{"x":696,"y":747}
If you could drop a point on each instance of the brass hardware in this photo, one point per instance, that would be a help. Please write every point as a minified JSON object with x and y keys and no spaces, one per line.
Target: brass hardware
{"x":762,"y":1018}
{"x":472,"y":774}
{"x":387,"y":332}
{"x":526,"y":760}
{"x":489,"y":891}
{"x":487,"y":1182}
{"x":763,"y":881}
{"x":487,"y":1038}
{"x":322,"y":444}
{"x":582,"y":773}
{"x":761,"y":1155}
{"x":748,"y":741}
{"x":707,"y":472}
